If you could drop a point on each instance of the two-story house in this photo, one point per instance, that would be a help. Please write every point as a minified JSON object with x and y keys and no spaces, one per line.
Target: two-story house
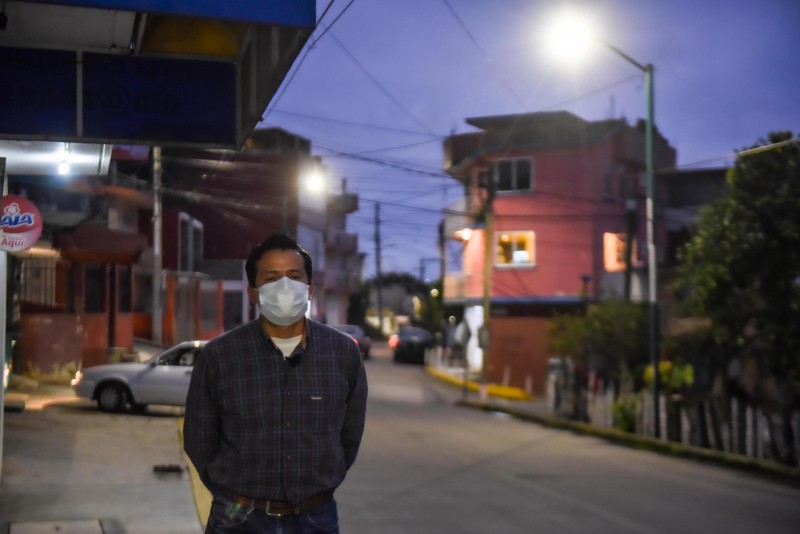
{"x":557,"y":199}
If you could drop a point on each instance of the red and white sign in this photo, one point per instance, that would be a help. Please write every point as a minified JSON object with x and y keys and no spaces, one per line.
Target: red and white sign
{"x":20,"y":223}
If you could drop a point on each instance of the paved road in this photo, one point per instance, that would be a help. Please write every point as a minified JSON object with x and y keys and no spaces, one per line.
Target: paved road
{"x":427,"y":466}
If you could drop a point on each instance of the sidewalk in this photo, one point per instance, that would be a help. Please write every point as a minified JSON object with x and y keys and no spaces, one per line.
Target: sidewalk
{"x":61,"y":476}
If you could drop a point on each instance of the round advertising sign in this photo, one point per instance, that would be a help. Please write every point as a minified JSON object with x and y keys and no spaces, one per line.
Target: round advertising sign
{"x":20,"y":223}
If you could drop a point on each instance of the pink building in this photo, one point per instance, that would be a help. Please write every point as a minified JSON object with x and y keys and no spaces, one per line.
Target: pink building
{"x":560,"y":196}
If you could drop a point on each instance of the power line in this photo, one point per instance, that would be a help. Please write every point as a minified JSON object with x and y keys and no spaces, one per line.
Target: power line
{"x":296,"y":67}
{"x":379,"y":85}
{"x":313,"y":44}
{"x":384,"y":162}
{"x":486,"y":57}
{"x":358,"y":124}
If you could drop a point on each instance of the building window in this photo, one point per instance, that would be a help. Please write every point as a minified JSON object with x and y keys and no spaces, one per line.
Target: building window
{"x":143,"y":296}
{"x":124,"y":288}
{"x":515,"y":249}
{"x":190,"y":242}
{"x":94,"y":288}
{"x":614,"y":252}
{"x":514,"y":174}
{"x":38,"y":281}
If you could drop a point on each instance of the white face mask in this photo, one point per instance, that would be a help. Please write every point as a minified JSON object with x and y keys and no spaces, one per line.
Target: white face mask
{"x":283,"y":302}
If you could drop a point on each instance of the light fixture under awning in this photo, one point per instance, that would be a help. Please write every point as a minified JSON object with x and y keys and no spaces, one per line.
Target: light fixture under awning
{"x":42,"y":158}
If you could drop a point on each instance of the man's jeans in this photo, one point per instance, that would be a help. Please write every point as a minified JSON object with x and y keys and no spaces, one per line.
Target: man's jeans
{"x":228,"y":516}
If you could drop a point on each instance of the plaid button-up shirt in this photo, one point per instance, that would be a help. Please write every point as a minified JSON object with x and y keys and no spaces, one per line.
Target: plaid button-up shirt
{"x":265,"y":427}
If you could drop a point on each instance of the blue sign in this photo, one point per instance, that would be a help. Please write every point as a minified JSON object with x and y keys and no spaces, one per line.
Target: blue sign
{"x":160,"y":100}
{"x":299,"y":13}
{"x":38,"y":92}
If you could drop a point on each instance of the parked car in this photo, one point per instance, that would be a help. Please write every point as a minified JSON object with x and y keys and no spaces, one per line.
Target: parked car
{"x":410,"y":344}
{"x":356,"y":332}
{"x":163,"y":379}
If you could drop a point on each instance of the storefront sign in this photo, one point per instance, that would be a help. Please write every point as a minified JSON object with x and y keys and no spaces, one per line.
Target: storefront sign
{"x":20,"y":223}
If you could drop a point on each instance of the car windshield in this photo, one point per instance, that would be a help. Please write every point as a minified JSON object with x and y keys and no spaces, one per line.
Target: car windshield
{"x":413,"y":331}
{"x":182,"y":355}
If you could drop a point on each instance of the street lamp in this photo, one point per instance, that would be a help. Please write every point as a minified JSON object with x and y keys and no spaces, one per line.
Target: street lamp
{"x":572,"y":34}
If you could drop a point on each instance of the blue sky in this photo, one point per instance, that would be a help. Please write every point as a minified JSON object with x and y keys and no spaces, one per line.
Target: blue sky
{"x":386,"y":80}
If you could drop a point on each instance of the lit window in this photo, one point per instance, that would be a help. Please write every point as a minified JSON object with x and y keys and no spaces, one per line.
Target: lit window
{"x":614,"y":252}
{"x":514,"y":174}
{"x":515,"y":249}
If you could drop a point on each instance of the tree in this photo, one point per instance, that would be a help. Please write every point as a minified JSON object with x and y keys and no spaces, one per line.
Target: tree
{"x":741,"y":267}
{"x":610,"y":339}
{"x":618,"y":339}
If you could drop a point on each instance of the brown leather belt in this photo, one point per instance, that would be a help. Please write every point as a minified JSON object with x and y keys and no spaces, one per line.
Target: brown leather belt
{"x":279,"y":508}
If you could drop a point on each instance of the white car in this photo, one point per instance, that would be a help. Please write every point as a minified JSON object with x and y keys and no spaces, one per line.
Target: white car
{"x":163,"y":379}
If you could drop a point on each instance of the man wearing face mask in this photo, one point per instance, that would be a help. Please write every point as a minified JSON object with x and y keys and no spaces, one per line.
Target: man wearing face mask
{"x":276,"y":407}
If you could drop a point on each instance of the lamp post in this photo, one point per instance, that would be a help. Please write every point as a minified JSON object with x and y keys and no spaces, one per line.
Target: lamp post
{"x":574,"y":32}
{"x":651,"y":247}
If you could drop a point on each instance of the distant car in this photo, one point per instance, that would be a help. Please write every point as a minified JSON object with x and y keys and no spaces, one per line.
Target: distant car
{"x":356,"y":332}
{"x":163,"y":379}
{"x":410,"y":344}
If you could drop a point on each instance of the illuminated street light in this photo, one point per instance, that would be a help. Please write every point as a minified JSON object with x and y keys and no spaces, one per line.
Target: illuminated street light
{"x":314,"y":180}
{"x":570,"y":37}
{"x":574,"y":34}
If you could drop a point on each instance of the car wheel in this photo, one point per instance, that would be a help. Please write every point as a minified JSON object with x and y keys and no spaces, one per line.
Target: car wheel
{"x":111,"y":397}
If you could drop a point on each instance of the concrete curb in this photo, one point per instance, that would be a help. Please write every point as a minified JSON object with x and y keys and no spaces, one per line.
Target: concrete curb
{"x":765,"y":468}
{"x":494,"y":390}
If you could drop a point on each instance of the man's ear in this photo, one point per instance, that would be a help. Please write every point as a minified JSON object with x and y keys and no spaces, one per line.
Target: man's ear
{"x":252,"y":294}
{"x":310,"y":290}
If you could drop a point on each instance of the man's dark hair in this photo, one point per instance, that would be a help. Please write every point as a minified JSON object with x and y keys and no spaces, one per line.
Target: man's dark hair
{"x":275,"y":242}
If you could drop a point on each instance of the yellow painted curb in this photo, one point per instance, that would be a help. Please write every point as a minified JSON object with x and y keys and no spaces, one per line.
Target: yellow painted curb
{"x":200,"y":494}
{"x":494,"y":390}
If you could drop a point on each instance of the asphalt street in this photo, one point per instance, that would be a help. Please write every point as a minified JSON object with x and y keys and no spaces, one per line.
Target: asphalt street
{"x":426,"y":466}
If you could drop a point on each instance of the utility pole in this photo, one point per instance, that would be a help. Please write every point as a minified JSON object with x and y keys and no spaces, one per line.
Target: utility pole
{"x":378,"y":282}
{"x":484,"y":335}
{"x":156,"y":314}
{"x":442,"y":259}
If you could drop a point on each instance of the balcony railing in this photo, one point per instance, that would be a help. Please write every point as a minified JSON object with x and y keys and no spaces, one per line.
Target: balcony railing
{"x":341,"y":241}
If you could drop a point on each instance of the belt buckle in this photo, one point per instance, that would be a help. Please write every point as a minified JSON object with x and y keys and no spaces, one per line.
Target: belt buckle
{"x":270,"y":513}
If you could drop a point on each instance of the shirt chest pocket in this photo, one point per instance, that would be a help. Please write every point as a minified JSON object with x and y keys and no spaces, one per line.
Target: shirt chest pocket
{"x":321,"y":404}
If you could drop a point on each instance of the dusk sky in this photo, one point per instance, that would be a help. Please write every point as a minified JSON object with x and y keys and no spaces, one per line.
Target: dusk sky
{"x":381,"y":83}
